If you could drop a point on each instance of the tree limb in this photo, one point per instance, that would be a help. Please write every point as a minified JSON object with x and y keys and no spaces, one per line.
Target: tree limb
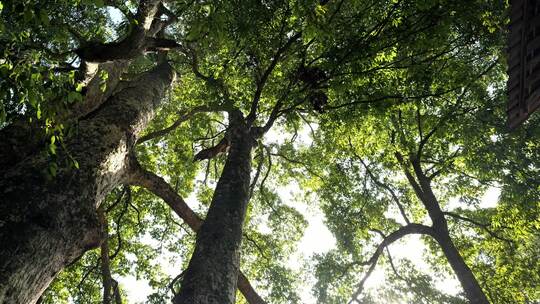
{"x":184,"y":115}
{"x":391,"y":238}
{"x":381,"y":184}
{"x":262,"y":82}
{"x":477,"y":223}
{"x":105,"y":262}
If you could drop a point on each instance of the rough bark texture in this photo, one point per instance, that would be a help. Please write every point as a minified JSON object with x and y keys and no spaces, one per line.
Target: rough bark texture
{"x":158,"y":186}
{"x":211,"y":277}
{"x":21,"y":139}
{"x":45,"y":224}
{"x":132,"y":46}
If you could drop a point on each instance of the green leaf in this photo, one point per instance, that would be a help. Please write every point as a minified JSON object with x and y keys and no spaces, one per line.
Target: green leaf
{"x":44,"y":17}
{"x":52,"y":148}
{"x":53,"y":167}
{"x":74,"y":96}
{"x":28,"y":14}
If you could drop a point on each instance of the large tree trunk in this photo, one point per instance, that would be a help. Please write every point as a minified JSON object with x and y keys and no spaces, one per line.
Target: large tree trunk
{"x":425,"y":194}
{"x":211,"y":276}
{"x":46,"y":223}
{"x":468,"y":281}
{"x":161,"y":188}
{"x":463,"y":272}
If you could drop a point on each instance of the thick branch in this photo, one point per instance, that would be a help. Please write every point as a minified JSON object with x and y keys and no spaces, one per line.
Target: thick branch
{"x":412,"y":181}
{"x":140,"y":39}
{"x":209,"y":153}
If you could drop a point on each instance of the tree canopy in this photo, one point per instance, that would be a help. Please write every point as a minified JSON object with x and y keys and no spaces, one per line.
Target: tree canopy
{"x":388,"y":116}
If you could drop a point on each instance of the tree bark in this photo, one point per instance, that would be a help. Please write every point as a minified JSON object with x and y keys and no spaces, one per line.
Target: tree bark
{"x":424,"y":192}
{"x":106,"y":277}
{"x":157,"y":185}
{"x":464,"y":274}
{"x":46,"y":223}
{"x":211,"y":277}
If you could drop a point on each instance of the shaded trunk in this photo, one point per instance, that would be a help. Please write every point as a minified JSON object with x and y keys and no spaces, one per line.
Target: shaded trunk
{"x":211,"y":276}
{"x":46,"y":223}
{"x":106,"y":277}
{"x":161,"y":188}
{"x":425,"y":194}
{"x":463,"y":272}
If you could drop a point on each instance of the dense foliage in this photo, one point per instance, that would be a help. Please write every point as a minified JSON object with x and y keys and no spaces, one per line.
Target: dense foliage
{"x":352,"y":94}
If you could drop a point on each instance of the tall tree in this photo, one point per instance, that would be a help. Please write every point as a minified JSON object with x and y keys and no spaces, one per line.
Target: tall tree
{"x":49,"y":222}
{"x":246,"y":67}
{"x":398,"y":171}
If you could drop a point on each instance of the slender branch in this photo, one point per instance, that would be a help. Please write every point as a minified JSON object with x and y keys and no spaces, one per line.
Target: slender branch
{"x":479,"y":224}
{"x":171,"y":285}
{"x":105,"y":262}
{"x":381,"y":184}
{"x":447,"y":163}
{"x":262,"y":82}
{"x":190,"y":52}
{"x":276,"y":110}
{"x":257,"y":173}
{"x":451,"y":114}
{"x":294,"y":161}
{"x":261,"y":185}
{"x":261,"y":251}
{"x":393,"y":266}
{"x":391,"y":238}
{"x":399,"y":276}
{"x":401,"y":98}
{"x":118,"y":222}
{"x":211,"y":81}
{"x":184,"y":115}
{"x":117,"y":201}
{"x":412,"y":181}
{"x":419,"y":122}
